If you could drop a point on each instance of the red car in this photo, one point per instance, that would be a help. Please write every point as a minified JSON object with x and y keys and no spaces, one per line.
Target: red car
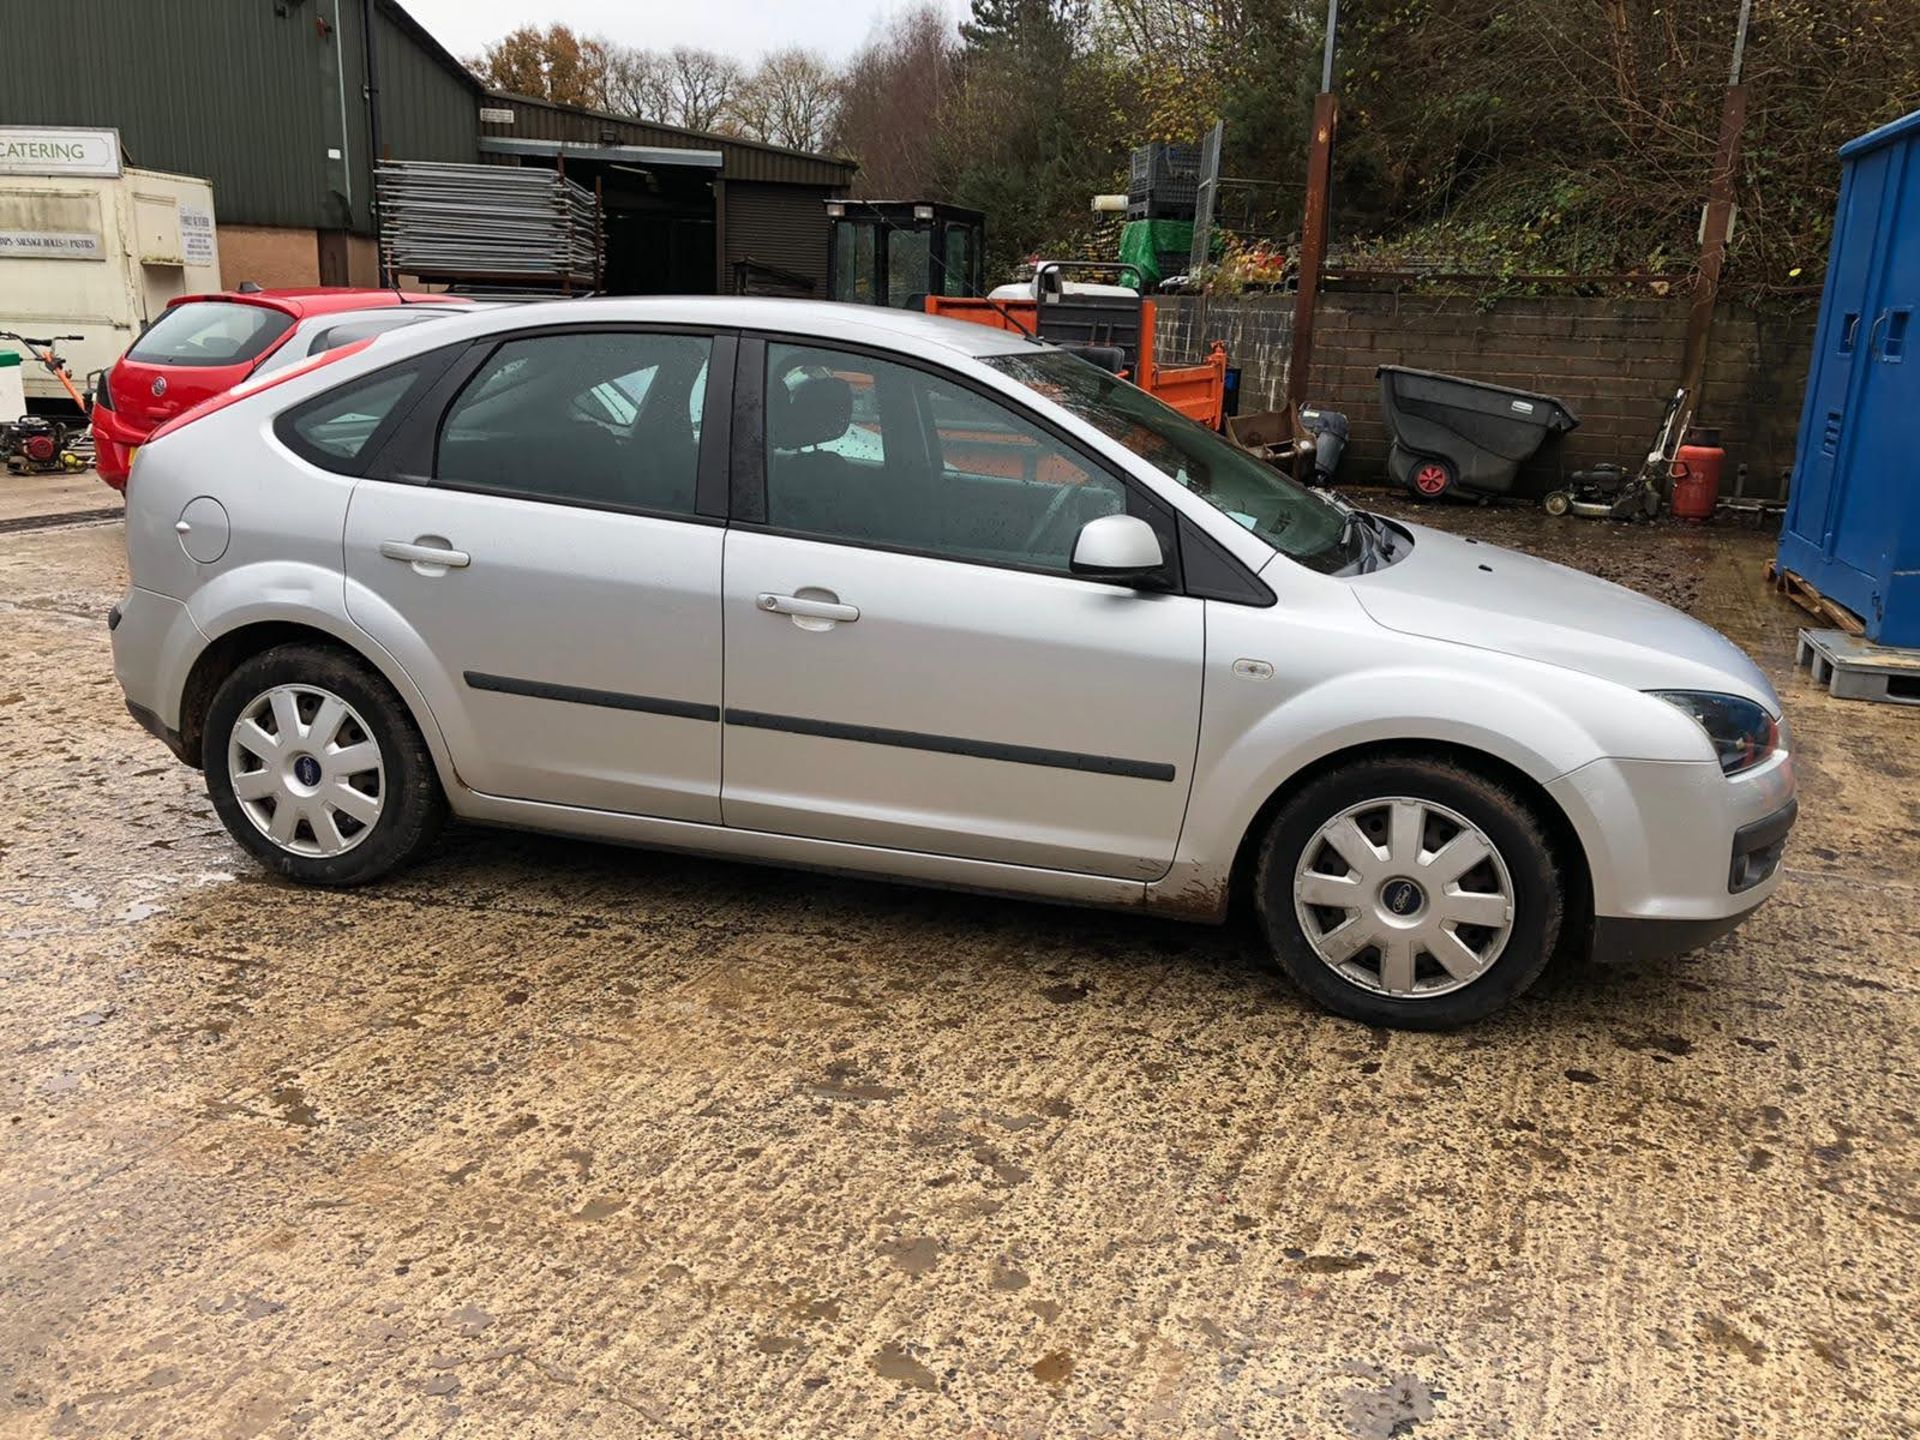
{"x":204,"y":345}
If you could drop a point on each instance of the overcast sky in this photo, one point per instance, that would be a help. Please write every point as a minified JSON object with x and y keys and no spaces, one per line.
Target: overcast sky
{"x":746,"y":29}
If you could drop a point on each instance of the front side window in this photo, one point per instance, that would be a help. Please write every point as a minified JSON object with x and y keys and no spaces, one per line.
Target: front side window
{"x":210,"y":332}
{"x":866,"y":450}
{"x":603,"y":418}
{"x":1285,"y":515}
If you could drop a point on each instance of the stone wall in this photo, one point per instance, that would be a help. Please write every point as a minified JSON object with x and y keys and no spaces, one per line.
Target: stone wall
{"x":1613,"y":361}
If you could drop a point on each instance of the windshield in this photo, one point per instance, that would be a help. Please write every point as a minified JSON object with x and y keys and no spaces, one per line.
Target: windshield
{"x":1287,"y":516}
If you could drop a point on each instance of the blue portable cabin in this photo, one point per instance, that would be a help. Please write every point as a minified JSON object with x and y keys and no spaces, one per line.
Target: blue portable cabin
{"x":1853,"y":515}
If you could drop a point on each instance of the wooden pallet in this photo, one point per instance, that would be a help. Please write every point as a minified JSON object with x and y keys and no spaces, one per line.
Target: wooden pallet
{"x":1855,"y":669}
{"x":1812,"y":601}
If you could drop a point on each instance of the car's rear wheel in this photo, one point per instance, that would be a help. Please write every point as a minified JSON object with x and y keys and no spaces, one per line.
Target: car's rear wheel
{"x":317,"y":769}
{"x":1409,"y":893}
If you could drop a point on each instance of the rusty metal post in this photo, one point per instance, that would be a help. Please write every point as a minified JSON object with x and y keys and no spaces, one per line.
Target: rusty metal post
{"x":1717,"y":222}
{"x":1313,"y":245}
{"x":1713,"y":240}
{"x":1313,"y":227}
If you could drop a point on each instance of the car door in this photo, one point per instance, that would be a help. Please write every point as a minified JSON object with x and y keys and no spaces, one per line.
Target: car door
{"x":538,"y":548}
{"x":909,"y":661}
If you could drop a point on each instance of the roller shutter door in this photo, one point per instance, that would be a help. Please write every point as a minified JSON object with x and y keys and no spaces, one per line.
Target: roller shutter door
{"x":777,"y":228}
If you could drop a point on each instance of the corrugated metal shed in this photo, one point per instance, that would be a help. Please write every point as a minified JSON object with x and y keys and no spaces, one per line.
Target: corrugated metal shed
{"x":740,"y":159}
{"x":151,"y":70}
{"x":265,"y":101}
{"x":429,"y":104}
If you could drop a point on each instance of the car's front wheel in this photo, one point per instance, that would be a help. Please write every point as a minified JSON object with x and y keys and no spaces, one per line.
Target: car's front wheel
{"x":316,"y":768}
{"x":1411,"y":893}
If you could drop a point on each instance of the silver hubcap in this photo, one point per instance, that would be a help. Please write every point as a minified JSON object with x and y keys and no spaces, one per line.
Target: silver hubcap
{"x":1404,"y":897}
{"x":306,"y":770}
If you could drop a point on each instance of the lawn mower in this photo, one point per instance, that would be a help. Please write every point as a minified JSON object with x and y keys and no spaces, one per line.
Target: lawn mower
{"x":35,"y":443}
{"x":1610,"y":492}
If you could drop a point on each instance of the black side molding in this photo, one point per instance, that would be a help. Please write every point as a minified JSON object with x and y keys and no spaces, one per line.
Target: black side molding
{"x":1627,"y":940}
{"x":150,"y":723}
{"x":953,"y":745}
{"x":580,"y":695}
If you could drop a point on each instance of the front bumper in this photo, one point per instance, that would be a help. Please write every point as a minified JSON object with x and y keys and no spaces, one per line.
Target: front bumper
{"x":1754,"y":860}
{"x":1677,"y":849}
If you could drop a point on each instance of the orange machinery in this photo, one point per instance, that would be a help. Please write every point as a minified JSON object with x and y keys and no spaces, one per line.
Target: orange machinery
{"x":1197,"y":391}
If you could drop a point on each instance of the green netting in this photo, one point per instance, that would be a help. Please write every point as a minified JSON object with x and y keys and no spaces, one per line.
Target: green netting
{"x":1146,"y":243}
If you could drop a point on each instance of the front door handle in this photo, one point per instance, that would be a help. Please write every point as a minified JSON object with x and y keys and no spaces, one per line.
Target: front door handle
{"x":809,"y":609}
{"x":414,"y":554}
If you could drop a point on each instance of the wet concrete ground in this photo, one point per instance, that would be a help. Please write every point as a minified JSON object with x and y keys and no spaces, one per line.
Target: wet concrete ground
{"x":550,"y":1139}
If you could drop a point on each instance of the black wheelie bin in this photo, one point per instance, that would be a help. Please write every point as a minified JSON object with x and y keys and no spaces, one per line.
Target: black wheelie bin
{"x":1459,"y":436}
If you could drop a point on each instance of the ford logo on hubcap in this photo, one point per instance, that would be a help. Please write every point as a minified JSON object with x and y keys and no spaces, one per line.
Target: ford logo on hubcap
{"x":307,"y":770}
{"x":1402,"y":897}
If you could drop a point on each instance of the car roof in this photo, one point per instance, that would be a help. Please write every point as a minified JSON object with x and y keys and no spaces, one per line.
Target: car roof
{"x":905,"y":330}
{"x":302,"y":301}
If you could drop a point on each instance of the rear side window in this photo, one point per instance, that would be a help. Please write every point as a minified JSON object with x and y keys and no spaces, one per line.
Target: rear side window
{"x":210,"y":332}
{"x":336,"y":430}
{"x":608,"y":418}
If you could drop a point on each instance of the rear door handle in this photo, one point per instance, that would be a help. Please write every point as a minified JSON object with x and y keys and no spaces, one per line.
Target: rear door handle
{"x":425,"y":554}
{"x":809,"y":609}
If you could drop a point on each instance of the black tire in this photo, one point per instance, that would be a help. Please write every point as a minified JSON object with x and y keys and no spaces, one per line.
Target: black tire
{"x":413,"y":806}
{"x":1501,"y":815}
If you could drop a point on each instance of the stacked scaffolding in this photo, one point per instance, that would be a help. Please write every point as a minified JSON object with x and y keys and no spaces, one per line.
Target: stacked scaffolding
{"x":489,"y":225}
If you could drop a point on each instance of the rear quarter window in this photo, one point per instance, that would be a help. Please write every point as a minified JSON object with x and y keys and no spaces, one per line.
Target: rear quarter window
{"x":210,"y":332}
{"x":337,"y":430}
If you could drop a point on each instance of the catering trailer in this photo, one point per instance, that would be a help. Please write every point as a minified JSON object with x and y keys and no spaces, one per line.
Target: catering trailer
{"x":92,"y":247}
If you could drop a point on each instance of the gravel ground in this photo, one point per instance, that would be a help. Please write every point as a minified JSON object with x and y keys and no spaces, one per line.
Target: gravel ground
{"x":550,"y":1139}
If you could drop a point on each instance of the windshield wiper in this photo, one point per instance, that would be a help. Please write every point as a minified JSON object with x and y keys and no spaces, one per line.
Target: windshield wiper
{"x":1377,"y":543}
{"x":1350,"y":530}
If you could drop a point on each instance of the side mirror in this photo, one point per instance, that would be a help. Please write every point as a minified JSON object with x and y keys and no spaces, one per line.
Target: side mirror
{"x":1116,"y":547}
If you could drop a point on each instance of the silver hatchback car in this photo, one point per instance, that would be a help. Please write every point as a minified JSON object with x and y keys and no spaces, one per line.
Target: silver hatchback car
{"x":865,"y":591}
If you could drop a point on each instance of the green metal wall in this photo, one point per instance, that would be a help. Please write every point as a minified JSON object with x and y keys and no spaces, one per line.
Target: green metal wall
{"x":249,"y":94}
{"x":426,"y":111}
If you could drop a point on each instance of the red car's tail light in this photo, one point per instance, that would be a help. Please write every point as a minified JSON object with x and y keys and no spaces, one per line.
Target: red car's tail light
{"x":253,"y":387}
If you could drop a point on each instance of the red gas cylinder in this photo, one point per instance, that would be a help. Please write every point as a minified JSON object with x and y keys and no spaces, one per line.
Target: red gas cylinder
{"x":1696,"y":474}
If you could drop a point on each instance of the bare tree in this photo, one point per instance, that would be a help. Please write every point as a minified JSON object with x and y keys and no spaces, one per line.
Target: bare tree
{"x":686,"y":87}
{"x":893,"y":104}
{"x":639,"y":83}
{"x":790,"y":100}
{"x":702,"y":85}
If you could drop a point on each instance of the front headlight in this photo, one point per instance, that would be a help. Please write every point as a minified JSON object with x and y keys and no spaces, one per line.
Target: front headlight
{"x":1743,"y":733}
